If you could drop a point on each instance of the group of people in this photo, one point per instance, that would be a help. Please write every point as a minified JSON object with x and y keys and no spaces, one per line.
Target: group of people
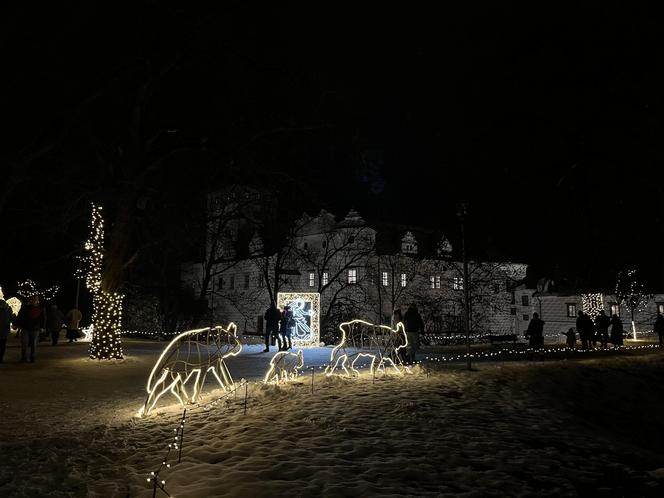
{"x":32,"y":319}
{"x":601,"y":330}
{"x":279,"y":326}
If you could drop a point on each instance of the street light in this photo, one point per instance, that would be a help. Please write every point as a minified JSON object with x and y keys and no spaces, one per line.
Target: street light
{"x":462,"y":214}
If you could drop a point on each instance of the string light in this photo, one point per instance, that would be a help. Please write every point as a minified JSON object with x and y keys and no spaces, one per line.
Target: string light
{"x":529,"y":351}
{"x":29,"y":288}
{"x":383,"y":341}
{"x":171,"y":373}
{"x":592,"y":304}
{"x":106,"y":306}
{"x":284,"y":366}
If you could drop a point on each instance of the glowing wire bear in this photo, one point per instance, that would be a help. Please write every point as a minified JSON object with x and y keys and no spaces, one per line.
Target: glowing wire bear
{"x":381,"y":344}
{"x":192,"y":354}
{"x":284,"y":366}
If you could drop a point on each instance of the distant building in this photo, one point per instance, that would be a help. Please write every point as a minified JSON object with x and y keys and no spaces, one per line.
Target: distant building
{"x":359,"y":269}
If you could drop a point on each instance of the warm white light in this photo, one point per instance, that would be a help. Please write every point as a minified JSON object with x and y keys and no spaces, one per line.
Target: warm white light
{"x":379,"y":343}
{"x":192,"y":354}
{"x":284,"y":366}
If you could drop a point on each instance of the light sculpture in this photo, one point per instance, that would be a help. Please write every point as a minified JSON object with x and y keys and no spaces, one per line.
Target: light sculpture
{"x":592,"y":304}
{"x":192,"y":355}
{"x":284,"y":366}
{"x":380,"y":344}
{"x":107,"y":306}
{"x":305,"y":307}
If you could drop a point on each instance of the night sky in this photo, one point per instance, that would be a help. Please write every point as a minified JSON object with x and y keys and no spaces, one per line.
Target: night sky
{"x":544,"y":120}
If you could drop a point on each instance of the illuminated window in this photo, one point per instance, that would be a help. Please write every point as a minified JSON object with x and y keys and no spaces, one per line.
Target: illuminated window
{"x":457,"y":283}
{"x":660,"y":308}
{"x":433,"y":282}
{"x":384,"y":279}
{"x":404,"y":280}
{"x":312,"y":279}
{"x":571,"y":310}
{"x":437,"y":281}
{"x":326,"y":278}
{"x":615,"y":309}
{"x":352,"y":276}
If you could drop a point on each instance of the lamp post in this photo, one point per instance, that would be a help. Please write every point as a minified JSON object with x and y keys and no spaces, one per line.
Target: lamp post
{"x":462,"y":214}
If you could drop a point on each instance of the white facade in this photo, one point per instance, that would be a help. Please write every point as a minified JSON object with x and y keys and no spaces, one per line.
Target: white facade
{"x":358,"y":276}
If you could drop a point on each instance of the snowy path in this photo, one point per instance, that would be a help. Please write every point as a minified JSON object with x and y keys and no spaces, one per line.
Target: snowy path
{"x":568,"y":428}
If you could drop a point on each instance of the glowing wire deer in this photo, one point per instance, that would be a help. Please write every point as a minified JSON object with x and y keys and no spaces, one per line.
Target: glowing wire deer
{"x":379,"y":343}
{"x":194,"y":353}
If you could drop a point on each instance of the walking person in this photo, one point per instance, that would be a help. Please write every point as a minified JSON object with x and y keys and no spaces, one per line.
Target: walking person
{"x":602,"y":323}
{"x":617,"y":331}
{"x":535,"y":333}
{"x":570,"y":342}
{"x":72,"y":320}
{"x":414,"y":327}
{"x":659,"y":328}
{"x":6,"y":319}
{"x":54,"y":320}
{"x":287,"y":323}
{"x":272,"y":318}
{"x":30,"y":320}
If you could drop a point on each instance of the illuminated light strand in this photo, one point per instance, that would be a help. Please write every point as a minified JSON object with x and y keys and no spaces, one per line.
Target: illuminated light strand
{"x":491,"y":354}
{"x":153,"y":477}
{"x":382,"y":342}
{"x":284,"y":366}
{"x":29,"y":288}
{"x":171,"y":373}
{"x":106,"y":329}
{"x":592,"y":304}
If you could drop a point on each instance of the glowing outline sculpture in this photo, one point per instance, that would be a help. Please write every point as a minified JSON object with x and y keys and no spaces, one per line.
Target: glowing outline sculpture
{"x":382,"y":342}
{"x":284,"y":298}
{"x":280,"y":370}
{"x":181,"y":371}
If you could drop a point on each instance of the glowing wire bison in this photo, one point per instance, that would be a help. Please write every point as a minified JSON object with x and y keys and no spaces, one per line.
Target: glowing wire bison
{"x":382,"y":345}
{"x":192,"y":354}
{"x":284,"y":366}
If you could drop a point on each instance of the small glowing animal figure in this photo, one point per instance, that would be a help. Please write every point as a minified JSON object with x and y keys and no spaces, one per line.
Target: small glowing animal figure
{"x":380,"y":344}
{"x":192,"y":354}
{"x":284,"y":366}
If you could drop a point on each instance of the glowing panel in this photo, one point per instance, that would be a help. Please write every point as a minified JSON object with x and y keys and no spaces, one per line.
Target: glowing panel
{"x":306,"y":312}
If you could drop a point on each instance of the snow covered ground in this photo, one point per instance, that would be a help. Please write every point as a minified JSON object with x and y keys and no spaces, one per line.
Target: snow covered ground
{"x":578,"y":427}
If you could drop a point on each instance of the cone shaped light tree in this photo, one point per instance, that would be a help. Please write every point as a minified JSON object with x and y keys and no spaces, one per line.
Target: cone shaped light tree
{"x":107,"y":304}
